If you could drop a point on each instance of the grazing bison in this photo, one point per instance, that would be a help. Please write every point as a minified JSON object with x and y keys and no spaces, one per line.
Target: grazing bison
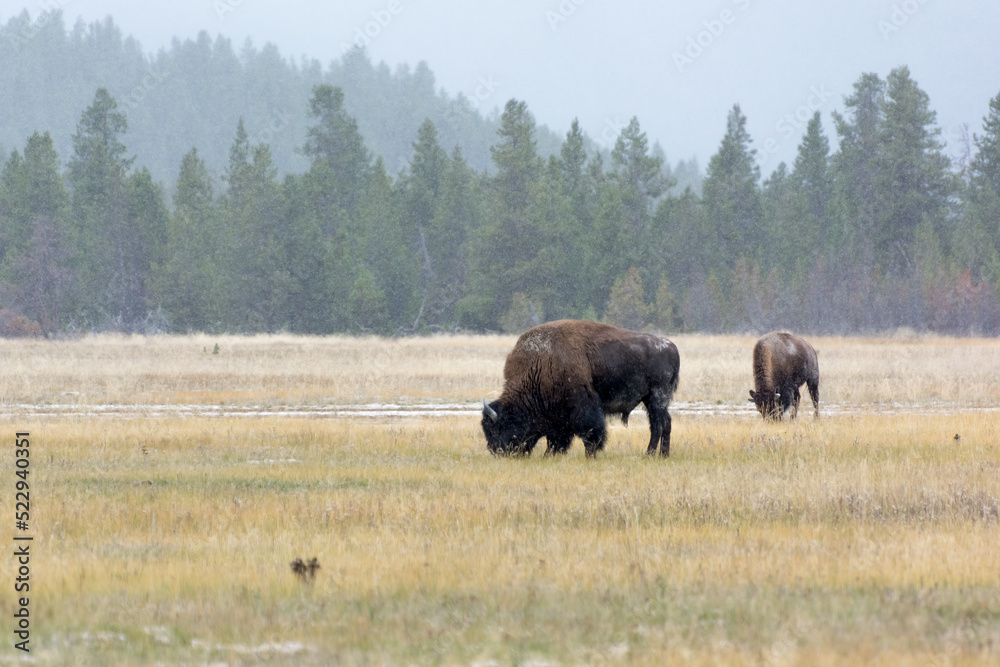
{"x":563,"y":377}
{"x":781,"y":363}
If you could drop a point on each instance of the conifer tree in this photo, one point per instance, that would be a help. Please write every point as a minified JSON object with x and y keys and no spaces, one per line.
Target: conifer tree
{"x":857,"y":162}
{"x":309,"y":261}
{"x":423,"y":188}
{"x":626,"y":307}
{"x":506,"y":249}
{"x":188,"y":283}
{"x":577,"y":195}
{"x":732,"y":194}
{"x":916,"y":182}
{"x":112,"y":285}
{"x":639,"y":176}
{"x":811,"y":175}
{"x":256,"y":274}
{"x":457,"y":211}
{"x":34,"y":235}
{"x":336,"y":141}
{"x":977,"y":243}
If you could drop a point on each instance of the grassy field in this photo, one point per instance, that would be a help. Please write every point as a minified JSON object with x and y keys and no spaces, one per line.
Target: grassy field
{"x":868,"y":536}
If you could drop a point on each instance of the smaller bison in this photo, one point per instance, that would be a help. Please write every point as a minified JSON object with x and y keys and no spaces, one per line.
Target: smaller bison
{"x":782,"y":362}
{"x":563,"y":377}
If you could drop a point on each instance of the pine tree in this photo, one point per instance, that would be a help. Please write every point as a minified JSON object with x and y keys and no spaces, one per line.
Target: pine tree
{"x":664,"y":306}
{"x":985,"y":165}
{"x":516,"y":159}
{"x":915,"y":176}
{"x":188,"y":282}
{"x":336,"y":141}
{"x":787,"y":238}
{"x":386,"y":250}
{"x":34,"y":235}
{"x":637,"y":170}
{"x":683,"y":241}
{"x":977,"y":246}
{"x":731,"y":193}
{"x":458,"y":210}
{"x":626,"y":307}
{"x":506,"y":249}
{"x":578,"y":196}
{"x":639,"y":176}
{"x":256,"y":277}
{"x":111,"y":291}
{"x":309,"y":263}
{"x":423,"y":188}
{"x":572,"y":163}
{"x":811,"y":176}
{"x":856,"y":165}
{"x":142,"y":246}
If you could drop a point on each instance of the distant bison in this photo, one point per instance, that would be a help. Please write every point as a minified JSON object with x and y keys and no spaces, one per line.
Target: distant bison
{"x":563,"y":377}
{"x":781,"y":364}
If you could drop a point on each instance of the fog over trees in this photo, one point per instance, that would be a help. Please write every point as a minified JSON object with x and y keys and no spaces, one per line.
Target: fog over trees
{"x":210,"y":189}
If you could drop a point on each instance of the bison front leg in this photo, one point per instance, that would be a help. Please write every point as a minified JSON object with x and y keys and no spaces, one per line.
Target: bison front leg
{"x":587,"y":421}
{"x":594,"y":439}
{"x":558,"y":443}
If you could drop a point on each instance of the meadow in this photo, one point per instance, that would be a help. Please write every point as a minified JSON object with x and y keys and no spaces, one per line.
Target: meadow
{"x":868,"y":536}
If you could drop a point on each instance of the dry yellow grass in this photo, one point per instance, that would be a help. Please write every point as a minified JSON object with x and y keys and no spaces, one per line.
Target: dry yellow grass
{"x":301,"y":370}
{"x":861,"y":537}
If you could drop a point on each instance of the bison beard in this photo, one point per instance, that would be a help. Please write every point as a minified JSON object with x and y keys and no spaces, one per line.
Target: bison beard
{"x":563,"y":377}
{"x":782,"y":362}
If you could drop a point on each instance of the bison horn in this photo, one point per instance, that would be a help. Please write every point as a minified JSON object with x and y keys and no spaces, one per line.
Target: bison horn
{"x":488,"y":411}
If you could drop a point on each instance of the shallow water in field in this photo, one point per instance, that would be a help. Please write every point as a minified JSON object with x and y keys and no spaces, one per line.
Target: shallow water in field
{"x":429,"y":410}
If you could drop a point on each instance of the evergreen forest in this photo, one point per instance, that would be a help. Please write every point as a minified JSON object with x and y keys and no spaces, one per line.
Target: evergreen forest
{"x":201,"y":189}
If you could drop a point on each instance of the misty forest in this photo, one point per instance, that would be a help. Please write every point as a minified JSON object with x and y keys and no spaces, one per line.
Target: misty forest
{"x":207,"y":188}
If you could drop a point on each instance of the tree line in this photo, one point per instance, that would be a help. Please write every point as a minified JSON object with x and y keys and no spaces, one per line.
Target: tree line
{"x":883,"y":231}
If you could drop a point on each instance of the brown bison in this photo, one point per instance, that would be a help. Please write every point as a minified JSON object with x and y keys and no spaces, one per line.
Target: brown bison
{"x":563,"y":377}
{"x":782,"y":362}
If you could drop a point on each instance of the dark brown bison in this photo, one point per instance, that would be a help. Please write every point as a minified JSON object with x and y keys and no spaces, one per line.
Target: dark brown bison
{"x":782,"y":362}
{"x":563,"y":377}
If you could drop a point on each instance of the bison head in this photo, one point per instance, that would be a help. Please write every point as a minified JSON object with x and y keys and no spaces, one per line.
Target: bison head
{"x":506,"y":430}
{"x":766,"y":402}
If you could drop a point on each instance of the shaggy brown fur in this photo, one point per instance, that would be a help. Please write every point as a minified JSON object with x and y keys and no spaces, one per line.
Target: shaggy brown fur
{"x":563,"y":377}
{"x":782,"y":362}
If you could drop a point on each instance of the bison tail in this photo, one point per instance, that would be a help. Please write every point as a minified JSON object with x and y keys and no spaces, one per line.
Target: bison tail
{"x":674,"y":381}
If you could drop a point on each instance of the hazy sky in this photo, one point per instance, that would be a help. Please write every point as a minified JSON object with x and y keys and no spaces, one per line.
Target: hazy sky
{"x":678,"y":66}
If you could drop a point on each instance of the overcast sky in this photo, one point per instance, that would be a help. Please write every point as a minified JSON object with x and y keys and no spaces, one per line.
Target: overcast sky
{"x":678,"y":66}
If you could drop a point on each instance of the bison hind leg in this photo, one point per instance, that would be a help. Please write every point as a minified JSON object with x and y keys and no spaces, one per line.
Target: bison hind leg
{"x":657,"y":405}
{"x":813,"y":386}
{"x":795,"y":403}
